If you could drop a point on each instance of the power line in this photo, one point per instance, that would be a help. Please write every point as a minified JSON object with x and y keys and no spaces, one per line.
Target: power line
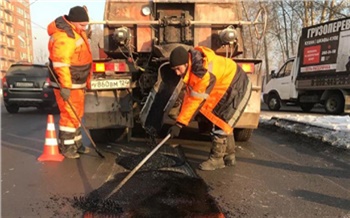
{"x":39,"y":25}
{"x":33,"y":2}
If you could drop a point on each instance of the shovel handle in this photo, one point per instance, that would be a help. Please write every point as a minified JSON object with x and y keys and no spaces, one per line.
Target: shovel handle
{"x":138,"y":166}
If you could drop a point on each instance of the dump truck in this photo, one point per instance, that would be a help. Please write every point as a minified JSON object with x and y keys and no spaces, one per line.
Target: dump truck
{"x":318,"y":75}
{"x":132,"y":85}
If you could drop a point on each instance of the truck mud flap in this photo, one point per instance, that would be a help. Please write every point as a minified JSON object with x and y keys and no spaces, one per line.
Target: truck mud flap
{"x":108,"y":109}
{"x":161,"y":98}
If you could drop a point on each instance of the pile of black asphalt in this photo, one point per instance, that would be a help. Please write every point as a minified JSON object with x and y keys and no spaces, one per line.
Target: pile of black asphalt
{"x":157,"y":161}
{"x":165,"y":186}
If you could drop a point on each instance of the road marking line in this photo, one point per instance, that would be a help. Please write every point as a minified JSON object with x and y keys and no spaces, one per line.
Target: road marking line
{"x":4,"y":143}
{"x":26,"y":138}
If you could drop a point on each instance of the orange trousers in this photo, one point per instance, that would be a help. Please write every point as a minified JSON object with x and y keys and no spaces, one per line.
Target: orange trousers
{"x":67,"y":116}
{"x":69,"y":125}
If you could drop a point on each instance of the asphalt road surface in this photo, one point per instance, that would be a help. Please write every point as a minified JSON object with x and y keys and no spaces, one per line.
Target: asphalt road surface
{"x":277,"y":175}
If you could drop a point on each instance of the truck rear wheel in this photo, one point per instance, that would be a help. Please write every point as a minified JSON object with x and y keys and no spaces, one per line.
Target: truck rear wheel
{"x":334,"y":104}
{"x":306,"y":107}
{"x":106,"y":135}
{"x":242,"y":135}
{"x":273,"y":102}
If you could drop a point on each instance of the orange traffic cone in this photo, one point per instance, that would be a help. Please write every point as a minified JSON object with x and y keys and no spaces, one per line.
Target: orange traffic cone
{"x":51,"y":152}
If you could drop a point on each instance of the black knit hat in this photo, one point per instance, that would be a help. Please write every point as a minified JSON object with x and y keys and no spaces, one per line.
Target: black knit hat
{"x":178,"y":56}
{"x":78,"y":14}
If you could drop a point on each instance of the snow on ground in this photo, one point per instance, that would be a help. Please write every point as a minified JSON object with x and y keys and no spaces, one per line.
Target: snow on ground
{"x":334,"y":130}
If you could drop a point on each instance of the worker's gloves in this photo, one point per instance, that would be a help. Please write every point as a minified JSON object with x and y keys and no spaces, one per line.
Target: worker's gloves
{"x":174,"y":131}
{"x":65,"y":93}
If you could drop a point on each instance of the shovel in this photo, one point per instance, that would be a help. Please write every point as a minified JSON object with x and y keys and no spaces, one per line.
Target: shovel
{"x":138,"y":167}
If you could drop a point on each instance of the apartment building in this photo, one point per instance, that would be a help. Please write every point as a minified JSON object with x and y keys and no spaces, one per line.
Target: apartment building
{"x":15,"y":33}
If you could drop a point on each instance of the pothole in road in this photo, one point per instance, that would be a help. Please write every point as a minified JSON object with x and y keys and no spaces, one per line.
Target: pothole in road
{"x":165,"y":186}
{"x":151,"y":194}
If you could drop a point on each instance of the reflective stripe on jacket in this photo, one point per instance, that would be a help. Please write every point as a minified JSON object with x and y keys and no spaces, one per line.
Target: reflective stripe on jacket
{"x":215,"y":87}
{"x":70,"y":55}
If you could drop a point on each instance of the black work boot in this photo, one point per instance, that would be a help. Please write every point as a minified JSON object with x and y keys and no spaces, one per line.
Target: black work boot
{"x":230,"y":154}
{"x":216,"y":156}
{"x":83,"y":150}
{"x":70,"y":151}
{"x":79,"y":142}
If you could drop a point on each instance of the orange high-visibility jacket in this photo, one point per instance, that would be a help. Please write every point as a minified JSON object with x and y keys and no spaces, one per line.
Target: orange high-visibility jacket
{"x":215,"y":86}
{"x":70,"y":55}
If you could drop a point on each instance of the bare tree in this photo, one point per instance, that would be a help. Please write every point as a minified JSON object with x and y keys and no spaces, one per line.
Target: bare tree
{"x":41,"y":56}
{"x":96,"y":39}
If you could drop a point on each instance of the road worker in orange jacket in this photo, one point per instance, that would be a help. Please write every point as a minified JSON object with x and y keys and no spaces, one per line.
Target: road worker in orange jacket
{"x":70,"y":62}
{"x":217,"y":88}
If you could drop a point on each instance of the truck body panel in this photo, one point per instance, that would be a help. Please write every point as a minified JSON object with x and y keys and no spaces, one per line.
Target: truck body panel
{"x":250,"y":118}
{"x":319,"y":74}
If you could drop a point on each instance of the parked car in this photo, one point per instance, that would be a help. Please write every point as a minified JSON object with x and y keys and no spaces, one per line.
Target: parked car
{"x":27,"y":85}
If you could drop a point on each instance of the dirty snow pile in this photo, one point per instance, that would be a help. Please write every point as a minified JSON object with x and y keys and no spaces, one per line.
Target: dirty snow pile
{"x":334,"y":130}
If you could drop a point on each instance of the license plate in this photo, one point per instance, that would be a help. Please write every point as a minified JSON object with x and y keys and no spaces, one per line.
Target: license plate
{"x":110,"y":84}
{"x":24,"y":84}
